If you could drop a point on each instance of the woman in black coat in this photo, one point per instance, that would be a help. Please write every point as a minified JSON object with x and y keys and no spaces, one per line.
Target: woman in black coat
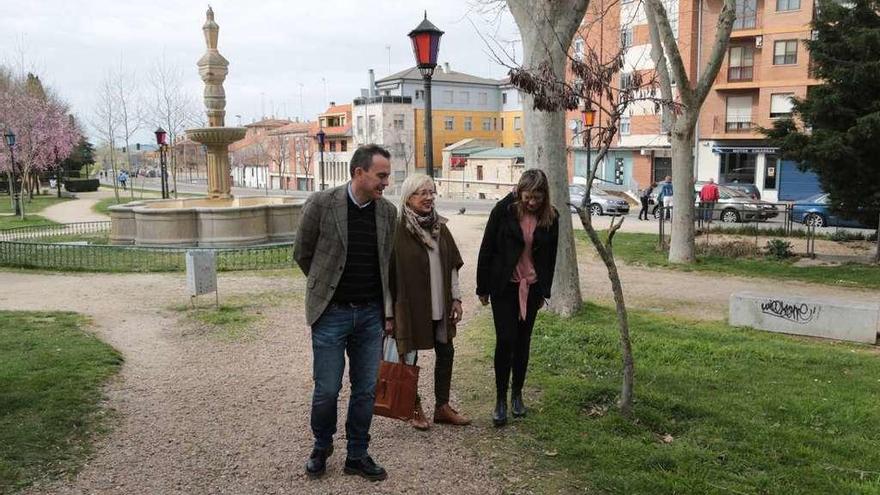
{"x":515,"y":272}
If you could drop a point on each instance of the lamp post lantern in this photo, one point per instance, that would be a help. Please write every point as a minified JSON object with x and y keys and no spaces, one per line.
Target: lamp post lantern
{"x":321,"y":137}
{"x":426,"y":44}
{"x":589,"y":119}
{"x":16,"y":197}
{"x":162,"y":142}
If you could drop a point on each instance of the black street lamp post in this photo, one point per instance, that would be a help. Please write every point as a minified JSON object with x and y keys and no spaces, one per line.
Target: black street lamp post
{"x":426,"y":44}
{"x":162,"y":142}
{"x":589,"y":119}
{"x":16,"y":196}
{"x":321,"y":137}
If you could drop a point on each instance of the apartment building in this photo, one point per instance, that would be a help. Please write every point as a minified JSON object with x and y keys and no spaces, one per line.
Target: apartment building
{"x":463,"y":106}
{"x":295,"y":149}
{"x":765,"y":66}
{"x":251,"y":157}
{"x":338,"y":145}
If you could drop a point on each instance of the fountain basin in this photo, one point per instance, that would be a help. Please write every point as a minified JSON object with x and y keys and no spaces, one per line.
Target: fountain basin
{"x":203,"y":222}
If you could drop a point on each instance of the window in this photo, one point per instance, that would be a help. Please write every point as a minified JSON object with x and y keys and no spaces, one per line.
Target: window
{"x":624,"y":125}
{"x":516,"y":145}
{"x":738,"y":167}
{"x":784,"y":5}
{"x":517,"y":123}
{"x":504,"y":98}
{"x":447,"y":97}
{"x":332,"y":145}
{"x":420,"y":94}
{"x":741,"y":60}
{"x":398,"y":121}
{"x":671,"y":7}
{"x":371,"y":125}
{"x":360,"y":125}
{"x":502,"y":123}
{"x":771,"y":167}
{"x":487,"y":124}
{"x":464,"y":97}
{"x":785,"y":52}
{"x":626,"y":37}
{"x":449,"y":123}
{"x":739,"y":113}
{"x":468,"y":123}
{"x":343,"y":145}
{"x":780,"y":105}
{"x":479,"y":172}
{"x":495,"y":123}
{"x":483,"y":98}
{"x":579,"y":48}
{"x":626,"y":80}
{"x":745,"y":14}
{"x":399,"y":149}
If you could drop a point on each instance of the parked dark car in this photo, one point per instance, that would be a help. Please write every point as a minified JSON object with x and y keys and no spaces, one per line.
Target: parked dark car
{"x":601,"y":203}
{"x":815,"y":211}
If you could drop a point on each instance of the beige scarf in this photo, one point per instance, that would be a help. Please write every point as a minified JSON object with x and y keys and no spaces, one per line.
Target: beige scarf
{"x":423,"y":227}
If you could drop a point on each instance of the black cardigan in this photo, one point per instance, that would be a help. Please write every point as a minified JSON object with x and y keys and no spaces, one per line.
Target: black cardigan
{"x":503,"y":244}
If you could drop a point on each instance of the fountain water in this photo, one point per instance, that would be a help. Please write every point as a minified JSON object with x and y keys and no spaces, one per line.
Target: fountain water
{"x":220,"y":219}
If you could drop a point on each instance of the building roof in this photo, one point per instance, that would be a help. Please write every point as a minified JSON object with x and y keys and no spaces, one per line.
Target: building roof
{"x":337,"y":109}
{"x":500,"y":153}
{"x":271,"y":123}
{"x":440,"y":75}
{"x":293,"y":128}
{"x":337,"y":131}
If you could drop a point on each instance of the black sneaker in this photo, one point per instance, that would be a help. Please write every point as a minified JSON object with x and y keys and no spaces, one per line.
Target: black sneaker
{"x":366,"y":468}
{"x":317,"y":463}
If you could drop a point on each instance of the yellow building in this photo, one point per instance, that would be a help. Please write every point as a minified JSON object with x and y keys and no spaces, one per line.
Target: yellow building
{"x":463,"y":107}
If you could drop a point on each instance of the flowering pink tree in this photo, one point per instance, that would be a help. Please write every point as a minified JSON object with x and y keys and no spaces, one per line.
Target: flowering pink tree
{"x":44,"y":133}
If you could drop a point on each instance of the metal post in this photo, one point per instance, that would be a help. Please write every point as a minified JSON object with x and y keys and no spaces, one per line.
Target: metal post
{"x":163,"y":169}
{"x":321,"y":164}
{"x":16,"y":195}
{"x":429,"y":130}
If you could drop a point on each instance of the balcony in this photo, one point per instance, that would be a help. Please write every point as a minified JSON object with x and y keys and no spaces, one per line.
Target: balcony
{"x":738,"y":127}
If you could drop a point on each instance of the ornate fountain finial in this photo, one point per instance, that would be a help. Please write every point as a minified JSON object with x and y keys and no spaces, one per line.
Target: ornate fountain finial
{"x":213,"y":69}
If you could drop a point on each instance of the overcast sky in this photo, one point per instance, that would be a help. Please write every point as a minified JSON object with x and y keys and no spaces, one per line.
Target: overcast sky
{"x":275,"y":48}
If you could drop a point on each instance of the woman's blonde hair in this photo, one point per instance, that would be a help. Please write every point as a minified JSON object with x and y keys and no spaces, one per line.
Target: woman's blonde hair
{"x":535,"y":181}
{"x":412,"y":184}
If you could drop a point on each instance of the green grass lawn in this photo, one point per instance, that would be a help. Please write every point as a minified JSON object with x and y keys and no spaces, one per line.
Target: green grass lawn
{"x":51,"y":374}
{"x":31,"y":208}
{"x":717,"y":410}
{"x":642,"y":249}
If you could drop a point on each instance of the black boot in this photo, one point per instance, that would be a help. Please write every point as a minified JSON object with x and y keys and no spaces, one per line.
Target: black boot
{"x":317,"y":464}
{"x":517,"y":408}
{"x":499,"y":416}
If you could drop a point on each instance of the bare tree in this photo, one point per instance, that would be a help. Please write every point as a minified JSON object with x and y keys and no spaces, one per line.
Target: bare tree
{"x":547,"y":28}
{"x":130,"y":115}
{"x":169,"y":106}
{"x":683,"y":118}
{"x":105,"y":122}
{"x":278,"y":152}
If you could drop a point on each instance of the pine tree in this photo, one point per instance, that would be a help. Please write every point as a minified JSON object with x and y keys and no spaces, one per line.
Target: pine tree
{"x":835,"y":130}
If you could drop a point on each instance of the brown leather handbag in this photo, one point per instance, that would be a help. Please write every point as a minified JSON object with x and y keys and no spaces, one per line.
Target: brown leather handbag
{"x":397,"y":386}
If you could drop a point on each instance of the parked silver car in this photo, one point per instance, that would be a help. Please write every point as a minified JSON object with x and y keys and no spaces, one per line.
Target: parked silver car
{"x":734,"y":206}
{"x":601,"y":203}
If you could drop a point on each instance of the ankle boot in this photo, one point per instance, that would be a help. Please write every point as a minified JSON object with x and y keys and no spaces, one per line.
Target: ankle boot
{"x":517,"y":408}
{"x":499,"y":416}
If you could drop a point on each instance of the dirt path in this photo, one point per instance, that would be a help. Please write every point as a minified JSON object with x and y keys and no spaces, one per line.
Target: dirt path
{"x":77,"y":210}
{"x":202,"y":414}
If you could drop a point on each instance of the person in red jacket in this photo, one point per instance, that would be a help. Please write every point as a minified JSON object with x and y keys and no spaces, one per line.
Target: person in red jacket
{"x":708,"y":198}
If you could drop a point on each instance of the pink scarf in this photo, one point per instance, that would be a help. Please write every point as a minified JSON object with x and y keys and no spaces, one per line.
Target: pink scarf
{"x":524,"y":274}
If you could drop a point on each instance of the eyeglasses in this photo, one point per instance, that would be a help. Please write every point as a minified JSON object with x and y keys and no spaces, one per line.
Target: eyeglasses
{"x":425,"y":193}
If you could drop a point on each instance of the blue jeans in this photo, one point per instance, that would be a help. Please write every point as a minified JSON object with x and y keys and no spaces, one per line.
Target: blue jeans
{"x":356,"y":330}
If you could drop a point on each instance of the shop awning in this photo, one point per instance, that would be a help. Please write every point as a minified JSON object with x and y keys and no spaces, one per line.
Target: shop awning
{"x":744,"y":149}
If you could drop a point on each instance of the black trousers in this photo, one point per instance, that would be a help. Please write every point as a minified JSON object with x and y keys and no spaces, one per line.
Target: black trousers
{"x":444,"y":356}
{"x":513,"y":337}
{"x":644,"y":210}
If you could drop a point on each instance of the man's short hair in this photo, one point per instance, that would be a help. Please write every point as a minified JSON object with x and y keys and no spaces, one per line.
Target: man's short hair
{"x":363,"y":157}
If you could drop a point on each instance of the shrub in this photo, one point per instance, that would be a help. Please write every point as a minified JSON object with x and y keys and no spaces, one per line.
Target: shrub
{"x":845,"y":236}
{"x":779,"y":249}
{"x":871,"y":237}
{"x":728,"y":249}
{"x":81,"y":185}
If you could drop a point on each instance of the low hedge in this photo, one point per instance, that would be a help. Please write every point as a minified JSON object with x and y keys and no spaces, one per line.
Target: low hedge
{"x":81,"y":185}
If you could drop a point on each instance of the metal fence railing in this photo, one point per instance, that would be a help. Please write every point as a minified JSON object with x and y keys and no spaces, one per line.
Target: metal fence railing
{"x":32,"y":247}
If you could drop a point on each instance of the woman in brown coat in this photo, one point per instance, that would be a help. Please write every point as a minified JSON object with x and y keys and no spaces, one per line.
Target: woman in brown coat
{"x":424,"y":285}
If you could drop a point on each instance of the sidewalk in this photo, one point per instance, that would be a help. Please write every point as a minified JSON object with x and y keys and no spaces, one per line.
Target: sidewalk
{"x":78,"y":210}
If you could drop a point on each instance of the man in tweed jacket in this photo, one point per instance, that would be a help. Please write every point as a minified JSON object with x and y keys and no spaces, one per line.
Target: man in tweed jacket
{"x":343,"y":245}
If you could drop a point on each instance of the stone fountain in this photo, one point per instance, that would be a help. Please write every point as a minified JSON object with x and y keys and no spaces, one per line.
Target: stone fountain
{"x":220,"y":219}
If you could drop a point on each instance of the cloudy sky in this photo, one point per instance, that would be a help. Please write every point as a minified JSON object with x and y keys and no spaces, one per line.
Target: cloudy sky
{"x":277,"y":49}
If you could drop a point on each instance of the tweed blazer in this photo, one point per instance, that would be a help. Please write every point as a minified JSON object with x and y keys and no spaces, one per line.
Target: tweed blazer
{"x":321,"y":246}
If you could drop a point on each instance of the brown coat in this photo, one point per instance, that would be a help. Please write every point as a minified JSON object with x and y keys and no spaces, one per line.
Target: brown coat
{"x":411,"y":289}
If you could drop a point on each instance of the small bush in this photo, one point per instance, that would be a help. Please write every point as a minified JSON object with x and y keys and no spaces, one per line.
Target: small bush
{"x":845,"y":236}
{"x":872,"y":237}
{"x":81,"y":185}
{"x":779,"y":249}
{"x":728,"y":249}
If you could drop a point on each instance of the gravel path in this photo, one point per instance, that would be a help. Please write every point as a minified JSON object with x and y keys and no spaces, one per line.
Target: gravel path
{"x":77,"y":210}
{"x":198,"y":413}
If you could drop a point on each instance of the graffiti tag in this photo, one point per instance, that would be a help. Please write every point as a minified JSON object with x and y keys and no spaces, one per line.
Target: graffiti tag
{"x":798,"y":313}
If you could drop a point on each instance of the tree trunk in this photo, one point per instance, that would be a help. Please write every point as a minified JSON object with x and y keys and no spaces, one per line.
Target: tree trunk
{"x":547,"y":28}
{"x":681,"y":245}
{"x":877,"y":233}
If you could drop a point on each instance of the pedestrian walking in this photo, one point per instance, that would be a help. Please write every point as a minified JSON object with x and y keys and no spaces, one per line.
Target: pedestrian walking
{"x":425,"y":288}
{"x":343,"y":245}
{"x":708,"y":197}
{"x":645,"y":199}
{"x":515,"y":273}
{"x":123,"y":179}
{"x":665,"y":197}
